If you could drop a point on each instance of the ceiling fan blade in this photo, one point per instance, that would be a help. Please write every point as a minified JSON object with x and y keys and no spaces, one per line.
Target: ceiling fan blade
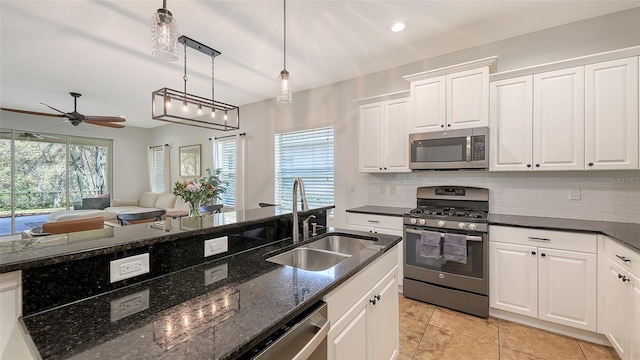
{"x":52,"y":108}
{"x":106,"y":118}
{"x":107,"y":124}
{"x":32,"y":112}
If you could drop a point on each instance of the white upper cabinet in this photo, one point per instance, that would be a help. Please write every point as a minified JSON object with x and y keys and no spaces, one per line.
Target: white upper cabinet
{"x":384,"y":141}
{"x":611,"y":116}
{"x":511,"y":124}
{"x":558,"y":118}
{"x":455,"y":97}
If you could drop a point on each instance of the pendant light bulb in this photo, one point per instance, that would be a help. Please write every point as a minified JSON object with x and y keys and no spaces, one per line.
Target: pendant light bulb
{"x":199,"y":109}
{"x":285,"y":84}
{"x":226,"y":117}
{"x":213,"y":113}
{"x":164,"y":34}
{"x":167,"y":102}
{"x":185,"y":106}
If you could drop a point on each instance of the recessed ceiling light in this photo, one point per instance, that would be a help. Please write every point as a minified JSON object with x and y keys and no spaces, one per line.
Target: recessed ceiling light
{"x":397,"y":26}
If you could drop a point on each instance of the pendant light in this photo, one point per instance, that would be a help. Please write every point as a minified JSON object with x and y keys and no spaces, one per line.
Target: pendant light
{"x":285,"y":89}
{"x":164,"y":34}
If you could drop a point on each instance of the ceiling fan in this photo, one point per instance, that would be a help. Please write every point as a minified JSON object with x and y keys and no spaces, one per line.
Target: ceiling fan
{"x":75,"y":118}
{"x":22,"y":135}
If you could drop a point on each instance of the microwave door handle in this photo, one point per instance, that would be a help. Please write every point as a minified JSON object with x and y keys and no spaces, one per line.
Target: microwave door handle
{"x":468,"y":148}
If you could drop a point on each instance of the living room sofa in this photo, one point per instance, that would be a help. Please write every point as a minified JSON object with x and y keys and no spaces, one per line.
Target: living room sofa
{"x":148,"y":201}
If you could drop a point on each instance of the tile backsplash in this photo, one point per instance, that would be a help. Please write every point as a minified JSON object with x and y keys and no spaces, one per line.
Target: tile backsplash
{"x":604,"y":195}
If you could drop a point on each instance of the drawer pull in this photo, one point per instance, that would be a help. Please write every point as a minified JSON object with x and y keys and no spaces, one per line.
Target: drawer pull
{"x":623,"y":258}
{"x":538,"y":238}
{"x":620,"y":276}
{"x":373,"y":221}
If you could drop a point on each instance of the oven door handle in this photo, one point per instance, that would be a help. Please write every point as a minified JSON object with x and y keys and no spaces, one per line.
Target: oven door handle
{"x":469,"y":238}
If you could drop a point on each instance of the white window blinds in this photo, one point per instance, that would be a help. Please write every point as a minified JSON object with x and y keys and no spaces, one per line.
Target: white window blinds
{"x":307,"y":154}
{"x":157,"y":163}
{"x":226,"y":160}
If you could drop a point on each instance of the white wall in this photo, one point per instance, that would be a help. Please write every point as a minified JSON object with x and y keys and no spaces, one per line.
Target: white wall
{"x":129,"y":148}
{"x":333,"y":104}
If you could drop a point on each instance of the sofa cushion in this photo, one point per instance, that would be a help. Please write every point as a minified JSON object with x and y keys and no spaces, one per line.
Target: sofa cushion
{"x":148,"y":199}
{"x":165,"y":201}
{"x":64,"y":215}
{"x":63,"y":227}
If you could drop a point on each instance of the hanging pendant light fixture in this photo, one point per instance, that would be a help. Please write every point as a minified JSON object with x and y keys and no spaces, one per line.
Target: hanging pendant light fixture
{"x":285,"y":89}
{"x":195,"y":110}
{"x":164,"y":34}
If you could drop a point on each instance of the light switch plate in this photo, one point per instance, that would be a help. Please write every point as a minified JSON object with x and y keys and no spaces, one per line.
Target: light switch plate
{"x":216,"y":246}
{"x":574,"y":194}
{"x":128,"y":267}
{"x":216,"y":274}
{"x":129,"y":305}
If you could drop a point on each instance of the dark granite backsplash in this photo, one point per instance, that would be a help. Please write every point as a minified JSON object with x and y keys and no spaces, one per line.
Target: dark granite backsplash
{"x":47,"y":287}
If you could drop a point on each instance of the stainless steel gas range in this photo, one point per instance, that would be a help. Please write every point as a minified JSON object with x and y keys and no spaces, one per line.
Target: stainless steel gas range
{"x":446,"y":248}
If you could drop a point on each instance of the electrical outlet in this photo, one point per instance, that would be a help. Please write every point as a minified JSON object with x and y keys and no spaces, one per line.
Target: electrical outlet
{"x":216,"y":274}
{"x":574,"y":194}
{"x":128,"y":267}
{"x":216,"y":246}
{"x":129,"y":305}
{"x":392,"y":189}
{"x":381,"y":189}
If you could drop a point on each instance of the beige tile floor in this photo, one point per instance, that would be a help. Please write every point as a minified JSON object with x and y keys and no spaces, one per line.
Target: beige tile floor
{"x":430,"y":332}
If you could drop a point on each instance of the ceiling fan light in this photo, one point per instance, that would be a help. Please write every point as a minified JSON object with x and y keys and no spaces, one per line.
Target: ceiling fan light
{"x":285,"y":87}
{"x":164,"y":35}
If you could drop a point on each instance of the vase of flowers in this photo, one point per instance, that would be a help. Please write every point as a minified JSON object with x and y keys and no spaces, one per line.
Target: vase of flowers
{"x":198,"y":192}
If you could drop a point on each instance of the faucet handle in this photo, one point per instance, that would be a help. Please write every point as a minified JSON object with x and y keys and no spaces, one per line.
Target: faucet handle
{"x":315,"y":228}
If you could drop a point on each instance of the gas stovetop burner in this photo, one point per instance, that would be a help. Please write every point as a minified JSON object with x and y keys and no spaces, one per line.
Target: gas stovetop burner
{"x":428,"y":212}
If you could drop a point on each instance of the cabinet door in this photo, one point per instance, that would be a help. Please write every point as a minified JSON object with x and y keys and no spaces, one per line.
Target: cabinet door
{"x":513,"y":279}
{"x":558,"y":118}
{"x":635,"y":318}
{"x":567,"y":288}
{"x":348,"y":339}
{"x":428,"y":105}
{"x":396,"y":138}
{"x":611,"y":115}
{"x":616,"y":305}
{"x":511,"y":119}
{"x":468,"y":99}
{"x":370,"y":149}
{"x":384,"y":319}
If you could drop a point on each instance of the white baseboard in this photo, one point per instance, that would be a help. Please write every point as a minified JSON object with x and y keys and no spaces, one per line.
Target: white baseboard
{"x":555,"y":328}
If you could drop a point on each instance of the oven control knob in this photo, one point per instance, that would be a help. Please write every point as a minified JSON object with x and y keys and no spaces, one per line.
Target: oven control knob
{"x":472,"y":227}
{"x":462,"y":226}
{"x":421,"y":221}
{"x":441,"y":223}
{"x":412,"y":221}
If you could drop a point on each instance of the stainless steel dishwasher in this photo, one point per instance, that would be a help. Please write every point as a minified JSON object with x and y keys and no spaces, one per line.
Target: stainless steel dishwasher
{"x":304,"y":337}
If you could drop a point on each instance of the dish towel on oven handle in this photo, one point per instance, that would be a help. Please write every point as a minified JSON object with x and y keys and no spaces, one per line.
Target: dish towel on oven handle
{"x":455,"y":248}
{"x":430,"y":244}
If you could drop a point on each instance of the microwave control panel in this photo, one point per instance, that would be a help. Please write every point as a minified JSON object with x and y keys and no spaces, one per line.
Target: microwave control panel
{"x":478,"y":146}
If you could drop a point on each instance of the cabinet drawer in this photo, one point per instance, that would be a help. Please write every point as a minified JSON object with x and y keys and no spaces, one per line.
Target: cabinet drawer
{"x":381,"y":221}
{"x":618,"y":253}
{"x":560,"y":240}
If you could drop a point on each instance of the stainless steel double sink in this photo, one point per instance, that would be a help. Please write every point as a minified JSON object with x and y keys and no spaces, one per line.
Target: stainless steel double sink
{"x":324,"y":252}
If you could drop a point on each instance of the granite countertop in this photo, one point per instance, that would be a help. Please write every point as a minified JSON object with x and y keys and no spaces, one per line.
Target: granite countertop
{"x":46,"y":250}
{"x":626,"y":233}
{"x":380,"y":210}
{"x":218,"y":309}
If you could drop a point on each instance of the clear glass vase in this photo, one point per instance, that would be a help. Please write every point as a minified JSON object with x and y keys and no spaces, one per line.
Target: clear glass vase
{"x":194,"y":209}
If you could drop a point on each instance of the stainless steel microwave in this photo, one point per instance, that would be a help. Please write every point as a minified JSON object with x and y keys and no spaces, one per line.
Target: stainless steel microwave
{"x":450,"y":150}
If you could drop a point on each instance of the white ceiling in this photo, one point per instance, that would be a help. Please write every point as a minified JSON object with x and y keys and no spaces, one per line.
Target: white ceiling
{"x":102,"y":48}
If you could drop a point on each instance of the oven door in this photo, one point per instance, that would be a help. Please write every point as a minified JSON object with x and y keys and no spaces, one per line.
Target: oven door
{"x":469,"y":276}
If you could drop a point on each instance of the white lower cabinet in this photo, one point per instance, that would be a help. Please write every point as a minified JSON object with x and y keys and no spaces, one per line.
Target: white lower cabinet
{"x":12,"y":339}
{"x":622,"y":299}
{"x":364,"y":313}
{"x":389,"y":225}
{"x":548,"y":275}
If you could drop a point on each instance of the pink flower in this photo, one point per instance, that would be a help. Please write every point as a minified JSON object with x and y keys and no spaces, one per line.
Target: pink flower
{"x":193,"y":186}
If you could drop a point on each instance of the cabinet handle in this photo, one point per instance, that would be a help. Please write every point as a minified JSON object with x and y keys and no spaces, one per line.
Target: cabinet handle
{"x":538,"y":238}
{"x":537,"y":165}
{"x":375,"y":299}
{"x":533,"y":253}
{"x":373,"y":221}
{"x":543,"y":254}
{"x":380,"y":168}
{"x":624,"y":278}
{"x":590,"y":164}
{"x":623,"y":258}
{"x":441,"y":126}
{"x":528,"y":165}
{"x":448,"y":125}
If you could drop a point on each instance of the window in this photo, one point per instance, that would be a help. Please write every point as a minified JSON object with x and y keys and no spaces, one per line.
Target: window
{"x":226,"y":160}
{"x":307,"y":154}
{"x":157,"y":170}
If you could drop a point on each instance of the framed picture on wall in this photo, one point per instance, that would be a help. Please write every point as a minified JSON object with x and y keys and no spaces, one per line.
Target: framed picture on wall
{"x":190,"y":160}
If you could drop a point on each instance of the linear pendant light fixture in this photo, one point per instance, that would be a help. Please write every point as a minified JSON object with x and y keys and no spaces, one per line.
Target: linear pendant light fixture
{"x":164,"y":34}
{"x":285,"y":85}
{"x":183,"y":108}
